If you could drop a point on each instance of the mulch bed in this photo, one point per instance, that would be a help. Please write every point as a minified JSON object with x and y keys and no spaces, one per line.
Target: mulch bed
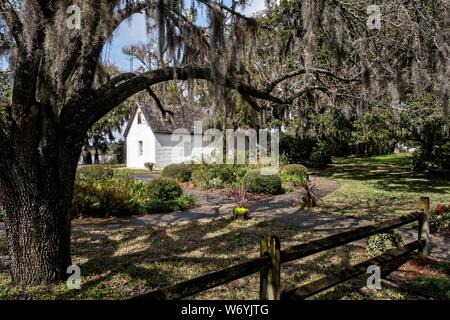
{"x":419,"y":267}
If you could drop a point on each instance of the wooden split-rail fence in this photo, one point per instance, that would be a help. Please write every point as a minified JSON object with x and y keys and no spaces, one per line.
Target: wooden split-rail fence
{"x":271,"y":259}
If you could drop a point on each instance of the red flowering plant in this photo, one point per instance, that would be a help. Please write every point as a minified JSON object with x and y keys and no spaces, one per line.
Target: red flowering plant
{"x":240,"y":211}
{"x":440,"y":218}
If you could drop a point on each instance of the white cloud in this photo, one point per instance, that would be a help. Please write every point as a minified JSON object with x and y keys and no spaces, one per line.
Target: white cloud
{"x":254,"y":7}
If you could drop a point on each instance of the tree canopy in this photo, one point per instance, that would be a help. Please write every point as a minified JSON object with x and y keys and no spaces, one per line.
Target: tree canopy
{"x":302,"y":56}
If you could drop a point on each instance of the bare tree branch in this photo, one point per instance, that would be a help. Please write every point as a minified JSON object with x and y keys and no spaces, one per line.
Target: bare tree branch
{"x":128,"y":11}
{"x":159,"y":103}
{"x":299,"y":72}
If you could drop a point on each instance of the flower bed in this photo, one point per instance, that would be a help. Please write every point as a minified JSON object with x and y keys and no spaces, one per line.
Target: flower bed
{"x":440,"y":219}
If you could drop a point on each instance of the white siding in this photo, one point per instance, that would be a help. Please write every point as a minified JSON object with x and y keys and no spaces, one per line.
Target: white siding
{"x":168,"y":151}
{"x":140,"y":132}
{"x":159,"y":148}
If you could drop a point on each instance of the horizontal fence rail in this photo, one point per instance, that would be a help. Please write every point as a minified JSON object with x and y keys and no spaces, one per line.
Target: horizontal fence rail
{"x":269,"y":264}
{"x":340,"y":239}
{"x":332,"y":280}
{"x":209,"y":281}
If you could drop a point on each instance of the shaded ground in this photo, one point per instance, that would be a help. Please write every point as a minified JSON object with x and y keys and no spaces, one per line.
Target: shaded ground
{"x":123,"y":257}
{"x":123,"y":262}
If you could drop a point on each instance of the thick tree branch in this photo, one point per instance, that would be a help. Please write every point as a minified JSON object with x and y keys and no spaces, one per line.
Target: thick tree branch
{"x":159,"y":103}
{"x":12,"y":20}
{"x":126,"y":85}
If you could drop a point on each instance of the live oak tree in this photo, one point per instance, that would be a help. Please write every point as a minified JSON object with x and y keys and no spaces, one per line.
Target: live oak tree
{"x":387,"y":59}
{"x":56,"y":98}
{"x":58,"y":92}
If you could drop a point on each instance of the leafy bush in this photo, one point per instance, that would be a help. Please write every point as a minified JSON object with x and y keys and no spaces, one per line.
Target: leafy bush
{"x":181,"y":172}
{"x":295,"y":149}
{"x":441,"y":156}
{"x":2,"y":215}
{"x":383,"y":241}
{"x":157,"y":206}
{"x":149,"y":165}
{"x":258,"y":183}
{"x":418,"y":162}
{"x":112,"y":197}
{"x":122,"y":196}
{"x":294,"y":174}
{"x":95,"y":172}
{"x":217,"y":176}
{"x":440,"y":218}
{"x":163,"y":189}
{"x":320,"y":155}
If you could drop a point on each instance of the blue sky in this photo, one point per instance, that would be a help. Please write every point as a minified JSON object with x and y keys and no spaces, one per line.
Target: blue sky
{"x":133,"y":32}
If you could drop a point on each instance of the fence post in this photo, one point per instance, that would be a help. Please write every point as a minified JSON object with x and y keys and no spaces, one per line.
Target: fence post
{"x":424,"y":226}
{"x":270,"y":277}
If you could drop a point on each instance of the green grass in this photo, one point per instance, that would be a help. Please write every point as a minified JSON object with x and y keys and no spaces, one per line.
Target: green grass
{"x":432,"y":286}
{"x":126,"y":171}
{"x":395,"y":159}
{"x":380,"y":187}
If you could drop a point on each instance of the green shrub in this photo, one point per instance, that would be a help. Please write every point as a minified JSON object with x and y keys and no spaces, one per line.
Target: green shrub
{"x":205,"y":178}
{"x":181,"y":172}
{"x":239,"y":174}
{"x":2,"y":215}
{"x":321,"y":155}
{"x":382,"y":242}
{"x":441,"y":156}
{"x":157,"y":206}
{"x":217,"y":176}
{"x":112,"y":197}
{"x":418,"y":163}
{"x":95,"y":172}
{"x":163,"y":189}
{"x":255,"y":182}
{"x":294,"y":174}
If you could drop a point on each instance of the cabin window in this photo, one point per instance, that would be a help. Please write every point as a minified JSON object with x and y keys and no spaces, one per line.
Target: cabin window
{"x":139,"y":118}
{"x":140,"y":148}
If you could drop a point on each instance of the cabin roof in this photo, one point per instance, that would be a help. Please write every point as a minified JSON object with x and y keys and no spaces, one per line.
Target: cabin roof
{"x":178,"y":117}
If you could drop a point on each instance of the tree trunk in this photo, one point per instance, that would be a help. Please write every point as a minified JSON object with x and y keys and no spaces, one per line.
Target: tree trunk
{"x":38,"y":233}
{"x":36,"y":194}
{"x":87,"y":156}
{"x":96,"y":157}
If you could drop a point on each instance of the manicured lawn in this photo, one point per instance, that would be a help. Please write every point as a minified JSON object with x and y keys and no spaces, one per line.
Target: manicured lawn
{"x":126,"y":171}
{"x":395,"y":159}
{"x":380,"y":187}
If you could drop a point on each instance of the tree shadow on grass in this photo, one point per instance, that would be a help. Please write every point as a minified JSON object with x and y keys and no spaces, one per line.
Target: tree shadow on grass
{"x":135,"y":261}
{"x":390,"y":179}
